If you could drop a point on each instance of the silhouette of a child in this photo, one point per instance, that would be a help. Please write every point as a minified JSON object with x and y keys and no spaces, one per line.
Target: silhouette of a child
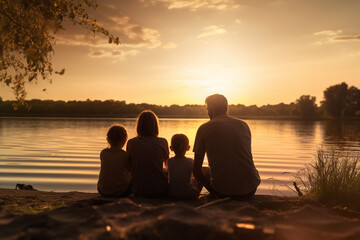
{"x":114,"y":177}
{"x":181,"y":182}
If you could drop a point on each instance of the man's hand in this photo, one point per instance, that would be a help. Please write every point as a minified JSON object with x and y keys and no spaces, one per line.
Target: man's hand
{"x":199,"y":175}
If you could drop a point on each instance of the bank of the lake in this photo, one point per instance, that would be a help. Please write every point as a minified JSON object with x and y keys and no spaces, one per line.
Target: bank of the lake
{"x":74,"y":215}
{"x":174,"y":116}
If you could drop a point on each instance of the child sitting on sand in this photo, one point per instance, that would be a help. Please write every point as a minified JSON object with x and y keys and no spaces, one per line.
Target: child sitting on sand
{"x":114,"y":177}
{"x":181,"y":182}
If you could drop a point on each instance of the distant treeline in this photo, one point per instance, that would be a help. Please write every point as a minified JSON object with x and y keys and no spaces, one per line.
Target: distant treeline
{"x":339,"y":101}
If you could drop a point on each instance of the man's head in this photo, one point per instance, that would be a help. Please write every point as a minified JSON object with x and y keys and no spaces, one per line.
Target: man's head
{"x":216,"y":105}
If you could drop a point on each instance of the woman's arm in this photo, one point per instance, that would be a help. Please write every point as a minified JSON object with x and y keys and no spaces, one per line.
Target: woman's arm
{"x":167,"y":153}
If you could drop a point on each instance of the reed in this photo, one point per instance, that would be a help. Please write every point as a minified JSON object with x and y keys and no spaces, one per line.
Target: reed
{"x":333,"y":177}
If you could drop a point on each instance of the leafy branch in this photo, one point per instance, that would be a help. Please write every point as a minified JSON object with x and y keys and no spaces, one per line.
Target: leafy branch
{"x":27,"y":38}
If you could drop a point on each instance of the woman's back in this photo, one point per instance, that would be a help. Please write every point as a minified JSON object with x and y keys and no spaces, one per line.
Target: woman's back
{"x":147,"y":156}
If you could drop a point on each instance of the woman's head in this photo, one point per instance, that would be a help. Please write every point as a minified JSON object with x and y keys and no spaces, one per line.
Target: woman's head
{"x":147,"y":124}
{"x":116,"y":136}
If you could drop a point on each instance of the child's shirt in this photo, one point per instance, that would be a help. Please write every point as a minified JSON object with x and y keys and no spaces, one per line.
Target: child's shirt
{"x":180,"y":173}
{"x":114,"y":177}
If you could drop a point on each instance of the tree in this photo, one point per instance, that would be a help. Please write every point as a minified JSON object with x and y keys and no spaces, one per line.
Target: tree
{"x":352,"y":104}
{"x":27,"y":37}
{"x":335,"y":98}
{"x":306,"y":106}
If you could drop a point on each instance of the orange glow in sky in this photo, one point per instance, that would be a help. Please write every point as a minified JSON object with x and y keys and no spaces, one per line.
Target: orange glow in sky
{"x":180,"y":51}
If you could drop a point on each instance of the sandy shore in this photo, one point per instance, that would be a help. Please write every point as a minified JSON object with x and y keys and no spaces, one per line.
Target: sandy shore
{"x":74,"y":215}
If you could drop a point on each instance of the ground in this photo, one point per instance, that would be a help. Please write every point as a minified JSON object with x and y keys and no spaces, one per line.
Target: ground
{"x":28,"y":214}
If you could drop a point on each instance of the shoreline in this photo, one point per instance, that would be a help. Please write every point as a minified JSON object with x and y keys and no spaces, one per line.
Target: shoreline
{"x":164,"y":117}
{"x":74,"y":215}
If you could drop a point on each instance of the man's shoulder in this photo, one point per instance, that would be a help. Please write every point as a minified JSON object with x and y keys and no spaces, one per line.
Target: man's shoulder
{"x":235,"y":119}
{"x":223,"y":120}
{"x":205,"y":125}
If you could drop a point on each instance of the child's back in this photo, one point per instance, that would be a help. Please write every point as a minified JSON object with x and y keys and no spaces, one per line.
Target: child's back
{"x":114,"y":178}
{"x":181,"y":184}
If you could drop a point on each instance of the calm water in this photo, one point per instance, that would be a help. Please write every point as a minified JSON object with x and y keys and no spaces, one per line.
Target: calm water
{"x":63,"y":154}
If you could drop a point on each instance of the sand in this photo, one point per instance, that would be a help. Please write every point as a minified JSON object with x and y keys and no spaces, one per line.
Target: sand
{"x":74,"y":215}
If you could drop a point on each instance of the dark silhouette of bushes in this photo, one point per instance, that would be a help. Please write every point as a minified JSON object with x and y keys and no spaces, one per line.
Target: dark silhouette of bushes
{"x":339,"y":101}
{"x":342,"y":101}
{"x":306,"y":106}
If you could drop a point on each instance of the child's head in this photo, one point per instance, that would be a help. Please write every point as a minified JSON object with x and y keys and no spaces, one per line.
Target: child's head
{"x":179,"y":144}
{"x":116,"y":136}
{"x":147,"y":124}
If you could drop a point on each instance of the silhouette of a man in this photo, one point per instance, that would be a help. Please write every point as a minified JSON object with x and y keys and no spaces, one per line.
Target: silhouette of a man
{"x":227,"y":142}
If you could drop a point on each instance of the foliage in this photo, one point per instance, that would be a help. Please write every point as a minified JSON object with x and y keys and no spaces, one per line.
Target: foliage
{"x":111,"y":108}
{"x":341,"y":100}
{"x":333,"y":177}
{"x":27,"y":37}
{"x":352,"y":105}
{"x":306,"y":106}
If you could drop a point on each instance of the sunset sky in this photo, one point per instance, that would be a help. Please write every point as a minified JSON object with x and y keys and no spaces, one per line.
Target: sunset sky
{"x":180,"y":51}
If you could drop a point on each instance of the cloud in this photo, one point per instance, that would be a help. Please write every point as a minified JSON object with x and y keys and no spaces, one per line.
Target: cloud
{"x":347,"y":37}
{"x":108,"y":5}
{"x":132,"y":37}
{"x":119,"y":54}
{"x":211,"y":31}
{"x":238,"y":21}
{"x":97,"y":53}
{"x":328,"y":33}
{"x":335,"y":36}
{"x":133,"y":34}
{"x":195,"y":5}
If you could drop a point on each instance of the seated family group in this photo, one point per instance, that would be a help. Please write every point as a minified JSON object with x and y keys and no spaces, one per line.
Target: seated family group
{"x":145,"y":169}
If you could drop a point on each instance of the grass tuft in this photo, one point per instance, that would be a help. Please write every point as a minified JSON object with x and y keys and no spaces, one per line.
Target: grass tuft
{"x":31,"y":208}
{"x":333,"y":178}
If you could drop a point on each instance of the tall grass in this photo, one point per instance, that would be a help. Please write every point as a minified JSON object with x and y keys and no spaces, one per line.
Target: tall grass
{"x":333,"y":177}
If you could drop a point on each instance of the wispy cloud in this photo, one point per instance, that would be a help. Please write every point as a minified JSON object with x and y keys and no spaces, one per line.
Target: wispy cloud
{"x":195,"y":5}
{"x":132,"y":34}
{"x":211,"y":31}
{"x":335,"y":36}
{"x":347,"y":38}
{"x":328,"y":33}
{"x":133,"y":37}
{"x":119,"y":54}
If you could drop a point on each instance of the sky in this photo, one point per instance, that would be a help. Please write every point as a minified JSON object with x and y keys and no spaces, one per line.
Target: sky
{"x":180,"y":51}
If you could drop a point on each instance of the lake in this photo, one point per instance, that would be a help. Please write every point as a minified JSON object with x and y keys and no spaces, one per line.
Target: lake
{"x":62,"y":154}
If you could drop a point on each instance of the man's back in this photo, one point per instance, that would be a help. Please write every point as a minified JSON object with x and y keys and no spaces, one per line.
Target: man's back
{"x":227,"y":142}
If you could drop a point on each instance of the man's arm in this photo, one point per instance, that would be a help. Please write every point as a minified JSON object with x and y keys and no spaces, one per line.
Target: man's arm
{"x":198,"y":173}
